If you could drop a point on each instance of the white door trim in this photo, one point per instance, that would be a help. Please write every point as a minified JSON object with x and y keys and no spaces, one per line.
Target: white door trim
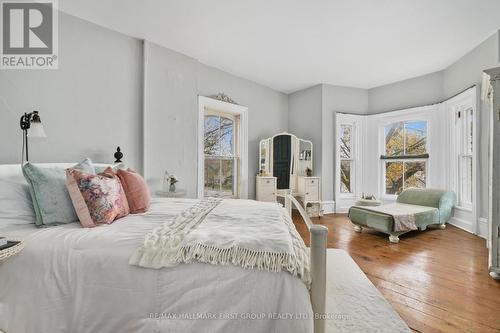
{"x":242,"y":112}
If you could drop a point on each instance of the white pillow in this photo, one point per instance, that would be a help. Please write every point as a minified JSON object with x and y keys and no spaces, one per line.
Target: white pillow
{"x":15,"y":203}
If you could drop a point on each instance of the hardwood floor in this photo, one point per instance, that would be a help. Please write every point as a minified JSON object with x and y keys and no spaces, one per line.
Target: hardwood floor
{"x":437,"y":280}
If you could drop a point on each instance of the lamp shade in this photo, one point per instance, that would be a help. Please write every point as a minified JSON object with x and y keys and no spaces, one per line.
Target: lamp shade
{"x":36,"y":130}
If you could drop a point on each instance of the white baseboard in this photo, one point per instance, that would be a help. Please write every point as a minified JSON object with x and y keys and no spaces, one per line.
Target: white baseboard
{"x":467,"y":226}
{"x":342,"y":210}
{"x":328,"y":207}
{"x":483,"y":228}
{"x":462,"y":224}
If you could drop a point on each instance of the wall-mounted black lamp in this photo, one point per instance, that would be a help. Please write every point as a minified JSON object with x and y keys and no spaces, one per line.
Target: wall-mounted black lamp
{"x":32,"y":122}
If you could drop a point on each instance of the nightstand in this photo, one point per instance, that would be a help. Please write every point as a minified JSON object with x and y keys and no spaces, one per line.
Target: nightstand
{"x":309,"y":194}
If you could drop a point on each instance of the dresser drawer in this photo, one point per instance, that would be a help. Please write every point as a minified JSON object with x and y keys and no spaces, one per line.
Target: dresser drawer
{"x":311,"y":191}
{"x":266,"y":189}
{"x":266,"y":182}
{"x":311,"y":182}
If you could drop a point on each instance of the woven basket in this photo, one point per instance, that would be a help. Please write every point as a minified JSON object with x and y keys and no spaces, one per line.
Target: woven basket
{"x":4,"y":254}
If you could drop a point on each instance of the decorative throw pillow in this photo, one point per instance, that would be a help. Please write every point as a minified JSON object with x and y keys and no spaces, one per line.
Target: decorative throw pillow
{"x":98,"y":199}
{"x":16,"y":205}
{"x":136,"y":190}
{"x":51,"y":201}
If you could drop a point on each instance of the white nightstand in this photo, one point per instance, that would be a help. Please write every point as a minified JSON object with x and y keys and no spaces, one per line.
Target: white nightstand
{"x":265,"y":188}
{"x":309,"y":194}
{"x":180,"y":193}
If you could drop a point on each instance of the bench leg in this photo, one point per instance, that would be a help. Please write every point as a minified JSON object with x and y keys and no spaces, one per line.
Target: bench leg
{"x":357,"y":228}
{"x":394,"y":238}
{"x":442,"y":226}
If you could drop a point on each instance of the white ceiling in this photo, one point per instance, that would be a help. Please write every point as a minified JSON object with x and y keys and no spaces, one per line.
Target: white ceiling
{"x":291,"y":44}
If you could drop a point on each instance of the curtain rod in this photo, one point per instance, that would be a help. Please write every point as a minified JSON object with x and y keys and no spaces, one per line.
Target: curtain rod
{"x":419,"y":106}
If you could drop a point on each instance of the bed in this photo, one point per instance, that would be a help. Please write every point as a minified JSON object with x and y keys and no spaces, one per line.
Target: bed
{"x":72,"y":279}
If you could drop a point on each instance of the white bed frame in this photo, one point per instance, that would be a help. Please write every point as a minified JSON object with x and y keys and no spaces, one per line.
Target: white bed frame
{"x":318,"y":245}
{"x":318,"y":240}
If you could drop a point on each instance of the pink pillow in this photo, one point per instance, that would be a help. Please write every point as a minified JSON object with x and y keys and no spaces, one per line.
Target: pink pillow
{"x":136,"y":190}
{"x":97,"y":199}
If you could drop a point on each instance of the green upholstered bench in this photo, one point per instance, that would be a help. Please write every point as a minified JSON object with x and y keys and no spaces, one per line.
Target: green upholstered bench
{"x":440,"y":205}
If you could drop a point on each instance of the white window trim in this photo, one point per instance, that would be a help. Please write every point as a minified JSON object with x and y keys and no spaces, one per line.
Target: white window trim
{"x":237,"y":111}
{"x":463,"y":101}
{"x":420,"y":115}
{"x":355,"y":122}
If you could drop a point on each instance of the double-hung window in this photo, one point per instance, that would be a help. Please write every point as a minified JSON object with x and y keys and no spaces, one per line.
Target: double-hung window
{"x":405,"y":158}
{"x":221,"y":154}
{"x":464,"y":122}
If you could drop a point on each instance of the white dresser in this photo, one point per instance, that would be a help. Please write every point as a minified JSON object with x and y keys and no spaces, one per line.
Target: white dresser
{"x":287,"y":160}
{"x":309,"y":192}
{"x":265,"y":188}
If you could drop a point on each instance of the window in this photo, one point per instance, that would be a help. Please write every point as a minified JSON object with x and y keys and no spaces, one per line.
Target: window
{"x":221,"y":154}
{"x":464,"y":141}
{"x":405,"y":159}
{"x":346,"y":154}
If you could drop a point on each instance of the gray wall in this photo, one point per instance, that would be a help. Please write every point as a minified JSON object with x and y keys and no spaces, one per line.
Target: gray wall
{"x":468,"y":71}
{"x":173,"y":83}
{"x":267,"y":110}
{"x":304,"y":120}
{"x":90,"y":105}
{"x":336,"y":99}
{"x":311,"y":117}
{"x":170,"y":118}
{"x":94,"y":102}
{"x":436,"y":87}
{"x":422,"y":90}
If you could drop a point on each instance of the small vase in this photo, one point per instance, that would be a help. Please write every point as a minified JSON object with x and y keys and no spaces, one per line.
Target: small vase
{"x":171,"y":188}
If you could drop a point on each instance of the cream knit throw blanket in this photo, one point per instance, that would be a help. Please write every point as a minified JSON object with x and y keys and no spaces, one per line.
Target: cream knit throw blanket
{"x":245,"y":233}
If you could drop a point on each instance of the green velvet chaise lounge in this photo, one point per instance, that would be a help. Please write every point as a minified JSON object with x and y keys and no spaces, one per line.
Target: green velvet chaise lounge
{"x":424,"y":206}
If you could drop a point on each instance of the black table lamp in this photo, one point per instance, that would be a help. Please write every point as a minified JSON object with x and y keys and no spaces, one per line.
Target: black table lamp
{"x":32,"y":122}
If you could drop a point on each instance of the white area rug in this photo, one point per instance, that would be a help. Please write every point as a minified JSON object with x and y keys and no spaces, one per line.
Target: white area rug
{"x":353,"y":303}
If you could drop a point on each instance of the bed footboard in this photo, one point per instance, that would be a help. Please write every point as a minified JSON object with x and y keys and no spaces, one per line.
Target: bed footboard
{"x":318,"y":245}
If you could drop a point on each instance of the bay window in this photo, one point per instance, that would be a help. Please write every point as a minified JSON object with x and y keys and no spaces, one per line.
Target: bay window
{"x":405,"y":158}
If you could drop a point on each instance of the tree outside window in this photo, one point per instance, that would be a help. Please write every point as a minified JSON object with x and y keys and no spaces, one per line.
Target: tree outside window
{"x":405,"y":156}
{"x":221,"y":159}
{"x":346,"y":158}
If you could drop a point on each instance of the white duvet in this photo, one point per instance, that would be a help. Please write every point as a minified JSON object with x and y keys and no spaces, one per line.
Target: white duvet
{"x":71,"y":279}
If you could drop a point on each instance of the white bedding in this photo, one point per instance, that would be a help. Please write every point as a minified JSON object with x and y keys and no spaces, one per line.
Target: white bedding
{"x":70,"y":279}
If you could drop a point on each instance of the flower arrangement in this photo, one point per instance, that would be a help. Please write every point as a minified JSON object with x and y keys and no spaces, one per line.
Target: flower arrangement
{"x":172,"y":179}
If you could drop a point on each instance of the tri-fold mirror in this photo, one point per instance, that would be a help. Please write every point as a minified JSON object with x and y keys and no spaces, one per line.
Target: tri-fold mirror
{"x":285,"y":157}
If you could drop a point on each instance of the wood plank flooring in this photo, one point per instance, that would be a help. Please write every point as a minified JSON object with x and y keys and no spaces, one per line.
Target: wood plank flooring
{"x":437,"y":280}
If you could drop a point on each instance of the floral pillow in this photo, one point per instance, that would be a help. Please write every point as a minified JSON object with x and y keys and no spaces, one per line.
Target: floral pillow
{"x":98,"y":199}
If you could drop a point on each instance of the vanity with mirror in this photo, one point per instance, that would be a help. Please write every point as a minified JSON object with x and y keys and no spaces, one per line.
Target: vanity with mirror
{"x":286,"y":166}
